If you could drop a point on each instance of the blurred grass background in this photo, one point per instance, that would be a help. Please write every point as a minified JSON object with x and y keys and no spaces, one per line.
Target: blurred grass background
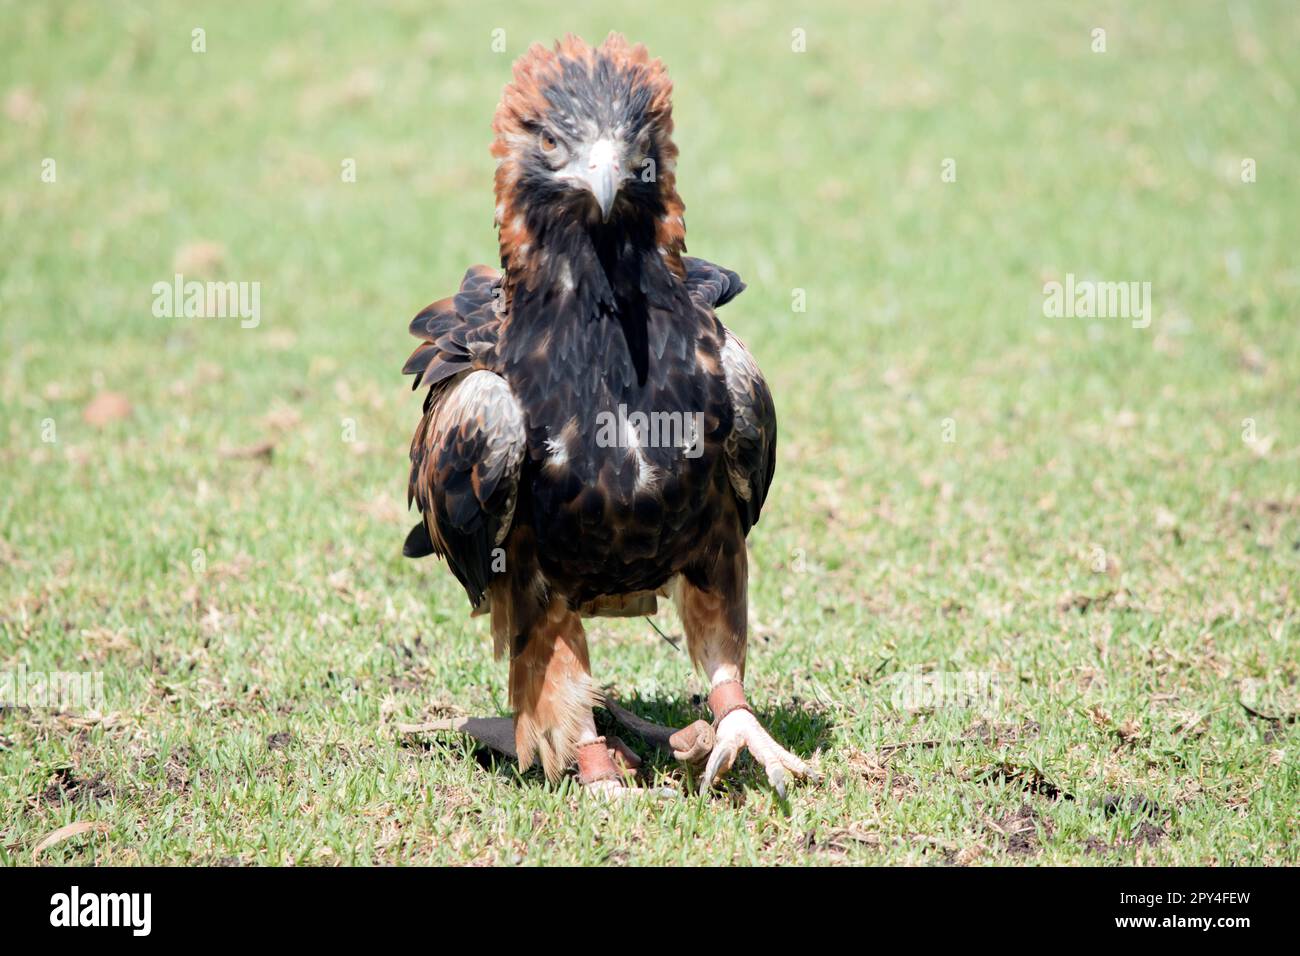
{"x":1098,"y":534}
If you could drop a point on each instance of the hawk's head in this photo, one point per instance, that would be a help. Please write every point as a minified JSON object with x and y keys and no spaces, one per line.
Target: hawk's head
{"x":584,"y":142}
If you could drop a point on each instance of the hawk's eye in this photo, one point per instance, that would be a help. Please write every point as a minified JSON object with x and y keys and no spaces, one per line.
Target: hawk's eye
{"x":548,"y":142}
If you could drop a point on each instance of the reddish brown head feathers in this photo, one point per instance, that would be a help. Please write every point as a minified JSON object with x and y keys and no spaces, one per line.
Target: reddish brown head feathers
{"x":584,"y":141}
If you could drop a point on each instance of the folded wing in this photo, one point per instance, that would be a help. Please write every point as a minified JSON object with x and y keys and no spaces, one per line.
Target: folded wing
{"x":469,"y":446}
{"x":750,"y":449}
{"x":465,"y":461}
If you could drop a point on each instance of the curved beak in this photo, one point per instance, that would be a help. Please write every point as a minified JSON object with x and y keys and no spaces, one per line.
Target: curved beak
{"x":603,"y":175}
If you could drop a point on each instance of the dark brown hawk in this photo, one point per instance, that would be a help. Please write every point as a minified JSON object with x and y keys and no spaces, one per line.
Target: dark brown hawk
{"x":593,"y":438}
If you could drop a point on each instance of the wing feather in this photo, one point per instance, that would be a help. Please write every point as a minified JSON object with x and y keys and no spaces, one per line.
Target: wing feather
{"x":459,"y":332}
{"x":711,"y":285}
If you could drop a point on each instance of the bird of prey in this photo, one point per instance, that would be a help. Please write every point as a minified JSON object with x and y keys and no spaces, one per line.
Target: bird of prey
{"x":593,"y":438}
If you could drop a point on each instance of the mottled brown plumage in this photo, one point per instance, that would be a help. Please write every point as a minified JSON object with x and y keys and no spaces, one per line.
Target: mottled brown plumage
{"x":543,"y":511}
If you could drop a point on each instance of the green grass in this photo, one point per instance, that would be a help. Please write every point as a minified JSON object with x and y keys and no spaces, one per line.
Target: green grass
{"x":886,"y":552}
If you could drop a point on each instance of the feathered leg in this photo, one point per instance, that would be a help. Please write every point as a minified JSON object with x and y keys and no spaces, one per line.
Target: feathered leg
{"x":552,"y":696}
{"x":715,"y":621}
